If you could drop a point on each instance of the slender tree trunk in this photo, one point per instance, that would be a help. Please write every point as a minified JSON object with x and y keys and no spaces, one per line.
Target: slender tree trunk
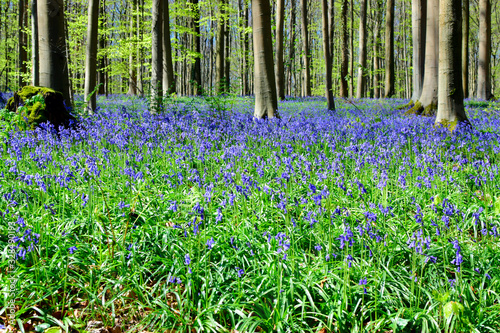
{"x":484,"y":70}
{"x":132,"y":79}
{"x":167,"y":77}
{"x":351,"y":52}
{"x":227,"y":56}
{"x":266,"y":100}
{"x":196,"y":66}
{"x":101,"y":75}
{"x":362,"y":50}
{"x":389,"y":50}
{"x":34,"y":44}
{"x":376,"y":63}
{"x":418,"y":17}
{"x":291,"y":48}
{"x":328,"y":59}
{"x":52,"y":47}
{"x":246,"y":50}
{"x":23,"y":40}
{"x":331,"y":24}
{"x":140,"y":86}
{"x":344,"y":71}
{"x":156,"y":55}
{"x":280,"y":67}
{"x":305,"y":44}
{"x":91,"y":57}
{"x":219,"y":51}
{"x":68,"y":59}
{"x":465,"y":47}
{"x":451,"y":99}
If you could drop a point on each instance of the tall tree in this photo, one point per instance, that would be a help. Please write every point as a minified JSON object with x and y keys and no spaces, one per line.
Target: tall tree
{"x":362,"y":50}
{"x":376,"y":60}
{"x":344,"y":71}
{"x":418,"y":22}
{"x":91,"y":57}
{"x":280,"y":67}
{"x":156,"y":55}
{"x":450,"y":102}
{"x":132,"y":74}
{"x":306,"y":89}
{"x":52,"y":47}
{"x":196,"y":66}
{"x":389,"y":49}
{"x":465,"y":47}
{"x":266,"y":100}
{"x":328,"y":59}
{"x":227,"y":56}
{"x":291,"y":47}
{"x":34,"y":44}
{"x":246,"y":49}
{"x":102,"y":72}
{"x":23,"y":41}
{"x":139,"y":49}
{"x":166,"y":51}
{"x":220,"y":48}
{"x":483,"y":71}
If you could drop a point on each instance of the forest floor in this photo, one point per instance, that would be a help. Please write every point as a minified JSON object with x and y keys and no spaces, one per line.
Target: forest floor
{"x":201,"y":218}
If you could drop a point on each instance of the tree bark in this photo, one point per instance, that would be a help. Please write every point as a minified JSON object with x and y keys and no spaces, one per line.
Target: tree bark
{"x":91,"y":57}
{"x":418,"y":18}
{"x":328,"y":59}
{"x":376,"y":63}
{"x":227,"y":57}
{"x":140,"y":86}
{"x":362,"y":50}
{"x":465,"y":47}
{"x":23,"y":41}
{"x":450,"y":103}
{"x":219,"y":51}
{"x":196,"y":66}
{"x":34,"y":44}
{"x":246,"y":50}
{"x":52,"y":47}
{"x":351,"y":52}
{"x":483,"y":74}
{"x":344,"y":71}
{"x":291,"y":47}
{"x":306,"y":91}
{"x":266,"y":100}
{"x":101,"y":75}
{"x":280,"y":67}
{"x":167,"y":77}
{"x":132,"y":76}
{"x":156,"y":56}
{"x":389,"y":50}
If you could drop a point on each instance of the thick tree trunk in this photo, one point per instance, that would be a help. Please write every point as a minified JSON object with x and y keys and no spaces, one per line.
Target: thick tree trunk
{"x":418,"y":19}
{"x":280,"y":68}
{"x":451,"y":105}
{"x":23,"y":41}
{"x":328,"y":59}
{"x":34,"y":45}
{"x":266,"y":100}
{"x":389,"y":50}
{"x":331,"y":25}
{"x":483,"y":74}
{"x":166,"y":48}
{"x":376,"y":63}
{"x":52,"y":47}
{"x":219,"y":51}
{"x":196,"y":66}
{"x":465,"y":47}
{"x":132,"y":76}
{"x":344,"y":71}
{"x":91,"y":57}
{"x":156,"y":56}
{"x":362,"y":50}
{"x":306,"y":89}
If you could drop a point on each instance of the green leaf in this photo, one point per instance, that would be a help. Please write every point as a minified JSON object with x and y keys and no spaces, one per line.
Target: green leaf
{"x":42,"y":327}
{"x":401,"y":322}
{"x":452,"y":308}
{"x":437,"y":199}
{"x":496,"y":206}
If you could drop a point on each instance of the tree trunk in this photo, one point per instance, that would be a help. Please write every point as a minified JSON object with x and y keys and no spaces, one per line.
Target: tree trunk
{"x":219,"y":51}
{"x":418,"y":18}
{"x":52,"y":47}
{"x":132,"y":76}
{"x":483,"y":74}
{"x":280,"y":68}
{"x":328,"y":59}
{"x":376,"y":63}
{"x":227,"y":57}
{"x":344,"y":71}
{"x":34,"y":44}
{"x":306,"y":91}
{"x":331,"y":25}
{"x":351,"y":52}
{"x":91,"y":57}
{"x":291,"y":47}
{"x":23,"y":40}
{"x":156,"y":55}
{"x":450,"y":103}
{"x":196,"y":66}
{"x":465,"y":47}
{"x":167,"y":77}
{"x":266,"y":100}
{"x":140,"y":86}
{"x":389,"y":49}
{"x":101,"y":75}
{"x":362,"y":50}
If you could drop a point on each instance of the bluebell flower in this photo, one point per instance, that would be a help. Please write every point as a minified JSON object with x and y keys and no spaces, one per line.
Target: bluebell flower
{"x":210,"y":243}
{"x":72,"y":249}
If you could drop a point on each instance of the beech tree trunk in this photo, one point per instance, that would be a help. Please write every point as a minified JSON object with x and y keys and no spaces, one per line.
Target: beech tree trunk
{"x":52,"y":47}
{"x":196,"y":66}
{"x":219,"y":50}
{"x":389,"y":50}
{"x":23,"y":41}
{"x":328,"y":59}
{"x":227,"y":57}
{"x":246,"y":50}
{"x":34,"y":44}
{"x":291,"y":48}
{"x":344,"y":71}
{"x":450,"y":103}
{"x":140,"y":86}
{"x":351,"y":52}
{"x":266,"y":100}
{"x":167,"y":77}
{"x":418,"y":20}
{"x":91,"y":57}
{"x":280,"y":67}
{"x":306,"y":89}
{"x":362,"y":50}
{"x":156,"y":56}
{"x":132,"y":76}
{"x":465,"y":47}
{"x":483,"y":71}
{"x":101,"y":75}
